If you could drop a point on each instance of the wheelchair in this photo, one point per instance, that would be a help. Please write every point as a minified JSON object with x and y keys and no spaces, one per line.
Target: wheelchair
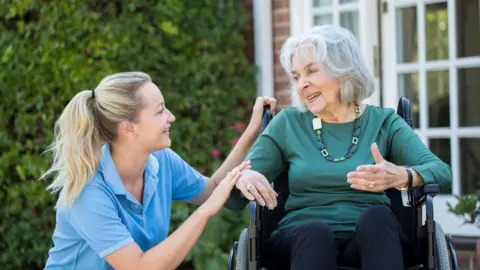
{"x":435,"y":249}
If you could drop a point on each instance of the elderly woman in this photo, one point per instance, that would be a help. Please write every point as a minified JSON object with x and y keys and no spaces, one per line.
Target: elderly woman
{"x":341,"y":156}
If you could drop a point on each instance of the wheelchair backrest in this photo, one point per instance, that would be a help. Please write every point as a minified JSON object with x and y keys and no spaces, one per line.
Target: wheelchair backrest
{"x":406,"y":215}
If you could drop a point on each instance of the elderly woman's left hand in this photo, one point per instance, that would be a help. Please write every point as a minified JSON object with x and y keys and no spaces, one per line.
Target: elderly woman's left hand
{"x":378,"y":177}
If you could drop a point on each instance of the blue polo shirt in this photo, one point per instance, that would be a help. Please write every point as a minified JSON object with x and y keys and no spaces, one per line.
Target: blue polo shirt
{"x":106,"y":217}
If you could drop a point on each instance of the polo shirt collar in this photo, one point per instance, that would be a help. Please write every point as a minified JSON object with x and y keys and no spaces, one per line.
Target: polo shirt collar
{"x":113,"y":180}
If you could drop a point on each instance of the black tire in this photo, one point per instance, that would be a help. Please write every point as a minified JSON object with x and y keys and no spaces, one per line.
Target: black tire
{"x":242,"y":251}
{"x":441,"y":249}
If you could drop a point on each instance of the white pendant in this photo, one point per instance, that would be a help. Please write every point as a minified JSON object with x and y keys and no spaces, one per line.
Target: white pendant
{"x":317,"y":123}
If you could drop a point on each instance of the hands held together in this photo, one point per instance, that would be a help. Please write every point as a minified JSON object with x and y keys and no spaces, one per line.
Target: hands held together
{"x":221,"y":193}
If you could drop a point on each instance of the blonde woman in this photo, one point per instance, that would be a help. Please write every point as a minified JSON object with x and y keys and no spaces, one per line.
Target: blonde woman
{"x":114,"y":203}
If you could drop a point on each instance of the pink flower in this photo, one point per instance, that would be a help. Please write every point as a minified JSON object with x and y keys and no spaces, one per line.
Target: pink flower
{"x":234,"y":140}
{"x":239,"y":126}
{"x":201,"y":171}
{"x":216,"y":153}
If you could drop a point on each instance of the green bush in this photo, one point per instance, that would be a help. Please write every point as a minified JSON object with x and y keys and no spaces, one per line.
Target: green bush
{"x":467,"y":207}
{"x":50,"y":50}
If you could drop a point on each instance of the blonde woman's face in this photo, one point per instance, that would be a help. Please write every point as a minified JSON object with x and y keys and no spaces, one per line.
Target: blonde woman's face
{"x":315,"y":89}
{"x":154,"y":121}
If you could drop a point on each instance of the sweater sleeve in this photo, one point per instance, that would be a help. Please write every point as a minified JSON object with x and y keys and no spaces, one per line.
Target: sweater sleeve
{"x":267,"y":157}
{"x":406,"y":149}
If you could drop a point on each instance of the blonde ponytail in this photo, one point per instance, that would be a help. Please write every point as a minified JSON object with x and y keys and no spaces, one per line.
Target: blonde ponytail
{"x":83,"y":125}
{"x":76,"y":149}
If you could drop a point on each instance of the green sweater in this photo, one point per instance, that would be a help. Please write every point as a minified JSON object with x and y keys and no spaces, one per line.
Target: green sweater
{"x":319,"y":188}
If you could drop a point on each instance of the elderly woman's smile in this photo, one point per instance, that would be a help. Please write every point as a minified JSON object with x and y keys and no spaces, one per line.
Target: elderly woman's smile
{"x":312,"y":97}
{"x":315,"y":102}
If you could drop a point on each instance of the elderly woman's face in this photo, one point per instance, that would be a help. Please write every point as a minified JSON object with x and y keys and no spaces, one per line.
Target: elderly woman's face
{"x":314,"y":88}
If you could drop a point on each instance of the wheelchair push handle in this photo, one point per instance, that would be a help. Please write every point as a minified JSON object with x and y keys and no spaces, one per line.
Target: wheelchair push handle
{"x":267,"y":116}
{"x":403,"y":109}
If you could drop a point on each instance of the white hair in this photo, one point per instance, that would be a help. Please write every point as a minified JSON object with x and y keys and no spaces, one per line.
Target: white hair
{"x":338,"y":53}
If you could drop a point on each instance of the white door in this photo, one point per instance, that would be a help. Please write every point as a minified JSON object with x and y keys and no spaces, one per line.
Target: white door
{"x":431,"y":54}
{"x":359,"y":16}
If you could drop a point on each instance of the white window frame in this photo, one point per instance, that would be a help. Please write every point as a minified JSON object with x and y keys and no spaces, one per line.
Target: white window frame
{"x":301,"y":19}
{"x":450,"y":223}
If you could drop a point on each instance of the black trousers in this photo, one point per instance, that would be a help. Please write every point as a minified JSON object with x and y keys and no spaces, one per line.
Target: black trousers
{"x":377,"y":243}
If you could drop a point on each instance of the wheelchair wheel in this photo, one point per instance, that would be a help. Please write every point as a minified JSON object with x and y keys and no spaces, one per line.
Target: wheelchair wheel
{"x":242,"y":251}
{"x":441,"y":249}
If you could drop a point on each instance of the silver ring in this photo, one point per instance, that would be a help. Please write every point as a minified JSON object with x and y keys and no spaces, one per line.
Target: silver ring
{"x":372,"y":184}
{"x":249,"y":186}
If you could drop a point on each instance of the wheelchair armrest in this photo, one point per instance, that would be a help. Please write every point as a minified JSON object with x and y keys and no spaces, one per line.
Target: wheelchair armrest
{"x":432,"y":189}
{"x":419,"y":194}
{"x":423,"y":195}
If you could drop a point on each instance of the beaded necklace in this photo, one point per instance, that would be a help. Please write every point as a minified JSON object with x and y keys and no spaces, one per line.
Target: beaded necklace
{"x":317,"y":127}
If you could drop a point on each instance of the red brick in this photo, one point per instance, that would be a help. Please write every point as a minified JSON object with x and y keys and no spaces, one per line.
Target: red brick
{"x":281,"y":12}
{"x":279,"y":71}
{"x":465,"y":259}
{"x":283,"y":92}
{"x":280,"y":31}
{"x":283,"y":97}
{"x":278,"y":43}
{"x":280,"y":78}
{"x":281,"y":16}
{"x":280,"y":4}
{"x":280,"y":37}
{"x":283,"y":86}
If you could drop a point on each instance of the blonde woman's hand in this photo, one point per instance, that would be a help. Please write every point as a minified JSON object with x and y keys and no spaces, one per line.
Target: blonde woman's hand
{"x":221,"y":193}
{"x":256,"y":120}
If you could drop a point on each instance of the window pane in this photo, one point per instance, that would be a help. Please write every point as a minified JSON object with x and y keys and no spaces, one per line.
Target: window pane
{"x":350,"y":21}
{"x":441,"y":148}
{"x":436,"y":30}
{"x":468,"y":29}
{"x":322,"y":3}
{"x":407,"y":49}
{"x":322,"y":19}
{"x":438,"y":98}
{"x":408,"y":87}
{"x":469,"y":96}
{"x":470,"y":165}
{"x":348,"y":1}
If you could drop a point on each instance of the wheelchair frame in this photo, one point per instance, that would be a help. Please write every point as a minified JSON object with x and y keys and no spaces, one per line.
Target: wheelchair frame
{"x":263,"y":221}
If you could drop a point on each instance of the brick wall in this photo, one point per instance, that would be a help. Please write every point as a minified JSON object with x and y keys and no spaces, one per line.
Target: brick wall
{"x":249,"y":36}
{"x":281,"y":31}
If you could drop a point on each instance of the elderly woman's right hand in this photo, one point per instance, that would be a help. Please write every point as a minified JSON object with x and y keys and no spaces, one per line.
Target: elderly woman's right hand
{"x":254,"y":186}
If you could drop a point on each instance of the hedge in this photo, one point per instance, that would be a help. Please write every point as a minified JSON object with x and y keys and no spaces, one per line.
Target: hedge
{"x":49,"y":50}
